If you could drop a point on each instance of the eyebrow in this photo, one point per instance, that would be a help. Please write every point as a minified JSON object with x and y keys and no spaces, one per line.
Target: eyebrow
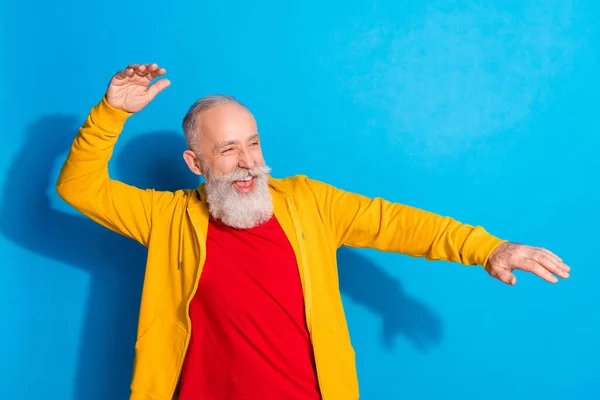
{"x":219,"y":146}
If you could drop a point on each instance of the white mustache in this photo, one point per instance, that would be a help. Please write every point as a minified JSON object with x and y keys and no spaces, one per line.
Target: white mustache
{"x":239,"y":174}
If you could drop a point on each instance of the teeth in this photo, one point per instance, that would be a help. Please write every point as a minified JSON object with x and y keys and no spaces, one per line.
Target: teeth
{"x":247,"y":179}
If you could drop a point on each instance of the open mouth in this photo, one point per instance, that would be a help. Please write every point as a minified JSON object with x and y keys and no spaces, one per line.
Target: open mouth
{"x":245,"y":185}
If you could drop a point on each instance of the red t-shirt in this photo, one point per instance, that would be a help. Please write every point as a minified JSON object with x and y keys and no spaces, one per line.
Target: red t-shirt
{"x":249,"y":336}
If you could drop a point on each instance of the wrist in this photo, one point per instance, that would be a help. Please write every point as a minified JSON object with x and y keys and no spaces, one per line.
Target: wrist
{"x":109,"y":118}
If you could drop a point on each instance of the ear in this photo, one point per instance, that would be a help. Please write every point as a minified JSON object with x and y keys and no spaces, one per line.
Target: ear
{"x":192,"y":161}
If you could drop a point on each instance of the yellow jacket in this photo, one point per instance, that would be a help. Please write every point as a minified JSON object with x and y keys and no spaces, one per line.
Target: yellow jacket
{"x":317,"y":219}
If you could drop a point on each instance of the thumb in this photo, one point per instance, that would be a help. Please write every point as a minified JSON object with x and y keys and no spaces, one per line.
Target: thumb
{"x":502,"y":274}
{"x":158,"y":87}
{"x":506,"y":277}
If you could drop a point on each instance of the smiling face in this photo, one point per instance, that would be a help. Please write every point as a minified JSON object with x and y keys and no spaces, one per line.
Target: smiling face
{"x":226,"y":150}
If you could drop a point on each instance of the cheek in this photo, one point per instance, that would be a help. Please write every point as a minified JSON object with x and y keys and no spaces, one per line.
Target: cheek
{"x":225,"y":165}
{"x":258,"y":156}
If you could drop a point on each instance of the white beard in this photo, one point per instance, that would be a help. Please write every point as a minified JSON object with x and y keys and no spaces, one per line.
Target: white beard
{"x":235,"y":209}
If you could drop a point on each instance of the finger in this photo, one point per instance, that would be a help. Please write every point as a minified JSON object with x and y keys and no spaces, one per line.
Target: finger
{"x":542,"y":272}
{"x":550,"y":264}
{"x":556,"y":258}
{"x":155,"y":71}
{"x":131,"y":69}
{"x":559,"y":260}
{"x":549,"y":253}
{"x":124,"y":73}
{"x":158,"y":87}
{"x":149,"y":71}
{"x":529,"y":265}
{"x":141,"y":70}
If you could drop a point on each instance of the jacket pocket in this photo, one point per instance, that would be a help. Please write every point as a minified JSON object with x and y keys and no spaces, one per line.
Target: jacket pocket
{"x":336,"y":364}
{"x":158,"y":355}
{"x":143,"y":333}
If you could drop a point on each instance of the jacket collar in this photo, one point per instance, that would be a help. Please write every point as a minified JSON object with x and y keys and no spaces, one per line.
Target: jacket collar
{"x":197,"y":210}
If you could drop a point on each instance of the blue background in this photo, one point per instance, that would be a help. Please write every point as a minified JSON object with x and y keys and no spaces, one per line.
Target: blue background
{"x":485,"y":112}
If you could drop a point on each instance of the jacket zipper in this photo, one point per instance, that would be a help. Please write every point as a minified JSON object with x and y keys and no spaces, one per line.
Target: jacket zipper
{"x":304,"y":264}
{"x":305,"y":277}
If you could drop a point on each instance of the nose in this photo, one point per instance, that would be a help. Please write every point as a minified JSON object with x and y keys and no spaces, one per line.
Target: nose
{"x":246,"y":160}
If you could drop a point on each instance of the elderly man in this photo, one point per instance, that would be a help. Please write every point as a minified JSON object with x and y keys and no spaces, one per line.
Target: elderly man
{"x":241,"y":297}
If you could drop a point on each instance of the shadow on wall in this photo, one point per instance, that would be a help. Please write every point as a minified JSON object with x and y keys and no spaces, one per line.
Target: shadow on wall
{"x":116,"y":264}
{"x":368,"y":284}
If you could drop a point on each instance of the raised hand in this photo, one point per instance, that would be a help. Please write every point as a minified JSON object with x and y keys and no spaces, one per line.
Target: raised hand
{"x":130,"y":90}
{"x":513,"y":256}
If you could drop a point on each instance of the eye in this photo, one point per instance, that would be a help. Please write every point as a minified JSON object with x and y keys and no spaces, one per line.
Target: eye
{"x":228,"y":150}
{"x":254,"y":143}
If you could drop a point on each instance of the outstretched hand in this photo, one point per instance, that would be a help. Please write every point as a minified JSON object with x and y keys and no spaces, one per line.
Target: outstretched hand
{"x":130,"y":90}
{"x":513,"y":256}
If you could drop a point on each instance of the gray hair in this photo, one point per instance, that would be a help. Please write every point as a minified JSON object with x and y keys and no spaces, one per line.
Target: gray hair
{"x":190,"y":121}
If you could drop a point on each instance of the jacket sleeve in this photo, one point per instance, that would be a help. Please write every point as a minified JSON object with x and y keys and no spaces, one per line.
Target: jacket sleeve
{"x":358,"y":221}
{"x":84,"y":181}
